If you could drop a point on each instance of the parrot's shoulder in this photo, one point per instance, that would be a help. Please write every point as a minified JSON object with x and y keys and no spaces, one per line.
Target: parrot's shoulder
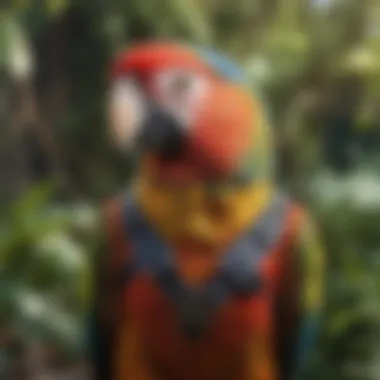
{"x":301,"y":221}
{"x":292,"y":222}
{"x":300,"y":230}
{"x":290,"y":214}
{"x":296,"y":218}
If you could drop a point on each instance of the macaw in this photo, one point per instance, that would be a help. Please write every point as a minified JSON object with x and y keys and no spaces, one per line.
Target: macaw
{"x":208,"y":271}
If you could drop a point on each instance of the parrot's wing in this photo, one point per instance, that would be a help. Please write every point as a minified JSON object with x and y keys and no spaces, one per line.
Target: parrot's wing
{"x":300,"y":301}
{"x":106,"y":304}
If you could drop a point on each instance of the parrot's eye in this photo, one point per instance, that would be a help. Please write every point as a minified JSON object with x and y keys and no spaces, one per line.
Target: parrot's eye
{"x":180,"y":85}
{"x":181,"y":92}
{"x":175,"y":83}
{"x":126,"y":111}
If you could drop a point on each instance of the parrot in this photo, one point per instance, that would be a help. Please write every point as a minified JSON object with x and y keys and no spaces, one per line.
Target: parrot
{"x":208,"y":270}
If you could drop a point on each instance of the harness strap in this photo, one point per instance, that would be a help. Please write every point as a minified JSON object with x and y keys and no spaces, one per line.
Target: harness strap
{"x":238,"y":274}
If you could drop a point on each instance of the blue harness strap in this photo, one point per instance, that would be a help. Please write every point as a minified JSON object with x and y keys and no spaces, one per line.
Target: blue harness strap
{"x":238,"y":274}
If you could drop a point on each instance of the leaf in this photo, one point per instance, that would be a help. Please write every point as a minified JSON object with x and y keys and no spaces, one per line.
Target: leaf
{"x":33,"y":201}
{"x":56,"y":7}
{"x":15,"y":50}
{"x":39,"y":317}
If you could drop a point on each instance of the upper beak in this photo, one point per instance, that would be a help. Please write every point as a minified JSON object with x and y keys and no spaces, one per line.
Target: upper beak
{"x":161,"y":133}
{"x":139,"y":121}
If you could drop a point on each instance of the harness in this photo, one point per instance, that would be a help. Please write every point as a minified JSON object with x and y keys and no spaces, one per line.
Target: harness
{"x":238,"y":273}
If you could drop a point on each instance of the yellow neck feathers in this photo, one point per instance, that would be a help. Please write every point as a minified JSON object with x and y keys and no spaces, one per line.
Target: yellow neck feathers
{"x":191,"y":214}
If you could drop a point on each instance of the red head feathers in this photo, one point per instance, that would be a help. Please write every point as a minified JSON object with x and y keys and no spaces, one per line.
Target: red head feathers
{"x":185,"y":110}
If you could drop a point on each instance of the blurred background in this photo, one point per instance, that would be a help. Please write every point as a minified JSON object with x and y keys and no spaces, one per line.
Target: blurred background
{"x":317,"y":65}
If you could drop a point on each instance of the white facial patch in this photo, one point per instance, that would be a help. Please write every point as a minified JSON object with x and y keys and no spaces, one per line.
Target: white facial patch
{"x":126,"y":112}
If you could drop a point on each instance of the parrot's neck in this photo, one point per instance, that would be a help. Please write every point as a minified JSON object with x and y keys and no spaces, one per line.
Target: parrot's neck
{"x":198,"y":239}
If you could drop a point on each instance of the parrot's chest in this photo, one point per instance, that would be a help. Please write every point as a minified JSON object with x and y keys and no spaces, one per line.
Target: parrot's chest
{"x":208,"y":332}
{"x":219,"y":351}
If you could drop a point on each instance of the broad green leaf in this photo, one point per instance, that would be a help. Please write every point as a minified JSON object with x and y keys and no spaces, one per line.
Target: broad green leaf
{"x":56,"y":7}
{"x":33,"y":201}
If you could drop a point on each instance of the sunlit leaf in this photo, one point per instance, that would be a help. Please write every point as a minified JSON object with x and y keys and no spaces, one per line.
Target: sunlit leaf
{"x":55,"y":7}
{"x":35,"y":199}
{"x":15,"y":49}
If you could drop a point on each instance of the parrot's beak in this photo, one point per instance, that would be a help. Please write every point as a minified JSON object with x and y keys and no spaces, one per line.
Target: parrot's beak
{"x":141,"y":123}
{"x":161,"y":134}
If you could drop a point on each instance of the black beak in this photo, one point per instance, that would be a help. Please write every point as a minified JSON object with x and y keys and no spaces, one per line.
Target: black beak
{"x":162,"y":134}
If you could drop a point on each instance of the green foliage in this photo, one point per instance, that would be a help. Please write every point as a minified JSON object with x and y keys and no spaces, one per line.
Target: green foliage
{"x":45,"y":255}
{"x":348,"y":219}
{"x":288,"y":48}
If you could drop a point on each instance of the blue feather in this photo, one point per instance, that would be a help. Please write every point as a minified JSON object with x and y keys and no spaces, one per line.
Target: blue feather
{"x":223,"y":65}
{"x":306,"y":343}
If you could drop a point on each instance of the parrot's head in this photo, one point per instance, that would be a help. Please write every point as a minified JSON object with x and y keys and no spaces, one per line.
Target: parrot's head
{"x":201,"y":134}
